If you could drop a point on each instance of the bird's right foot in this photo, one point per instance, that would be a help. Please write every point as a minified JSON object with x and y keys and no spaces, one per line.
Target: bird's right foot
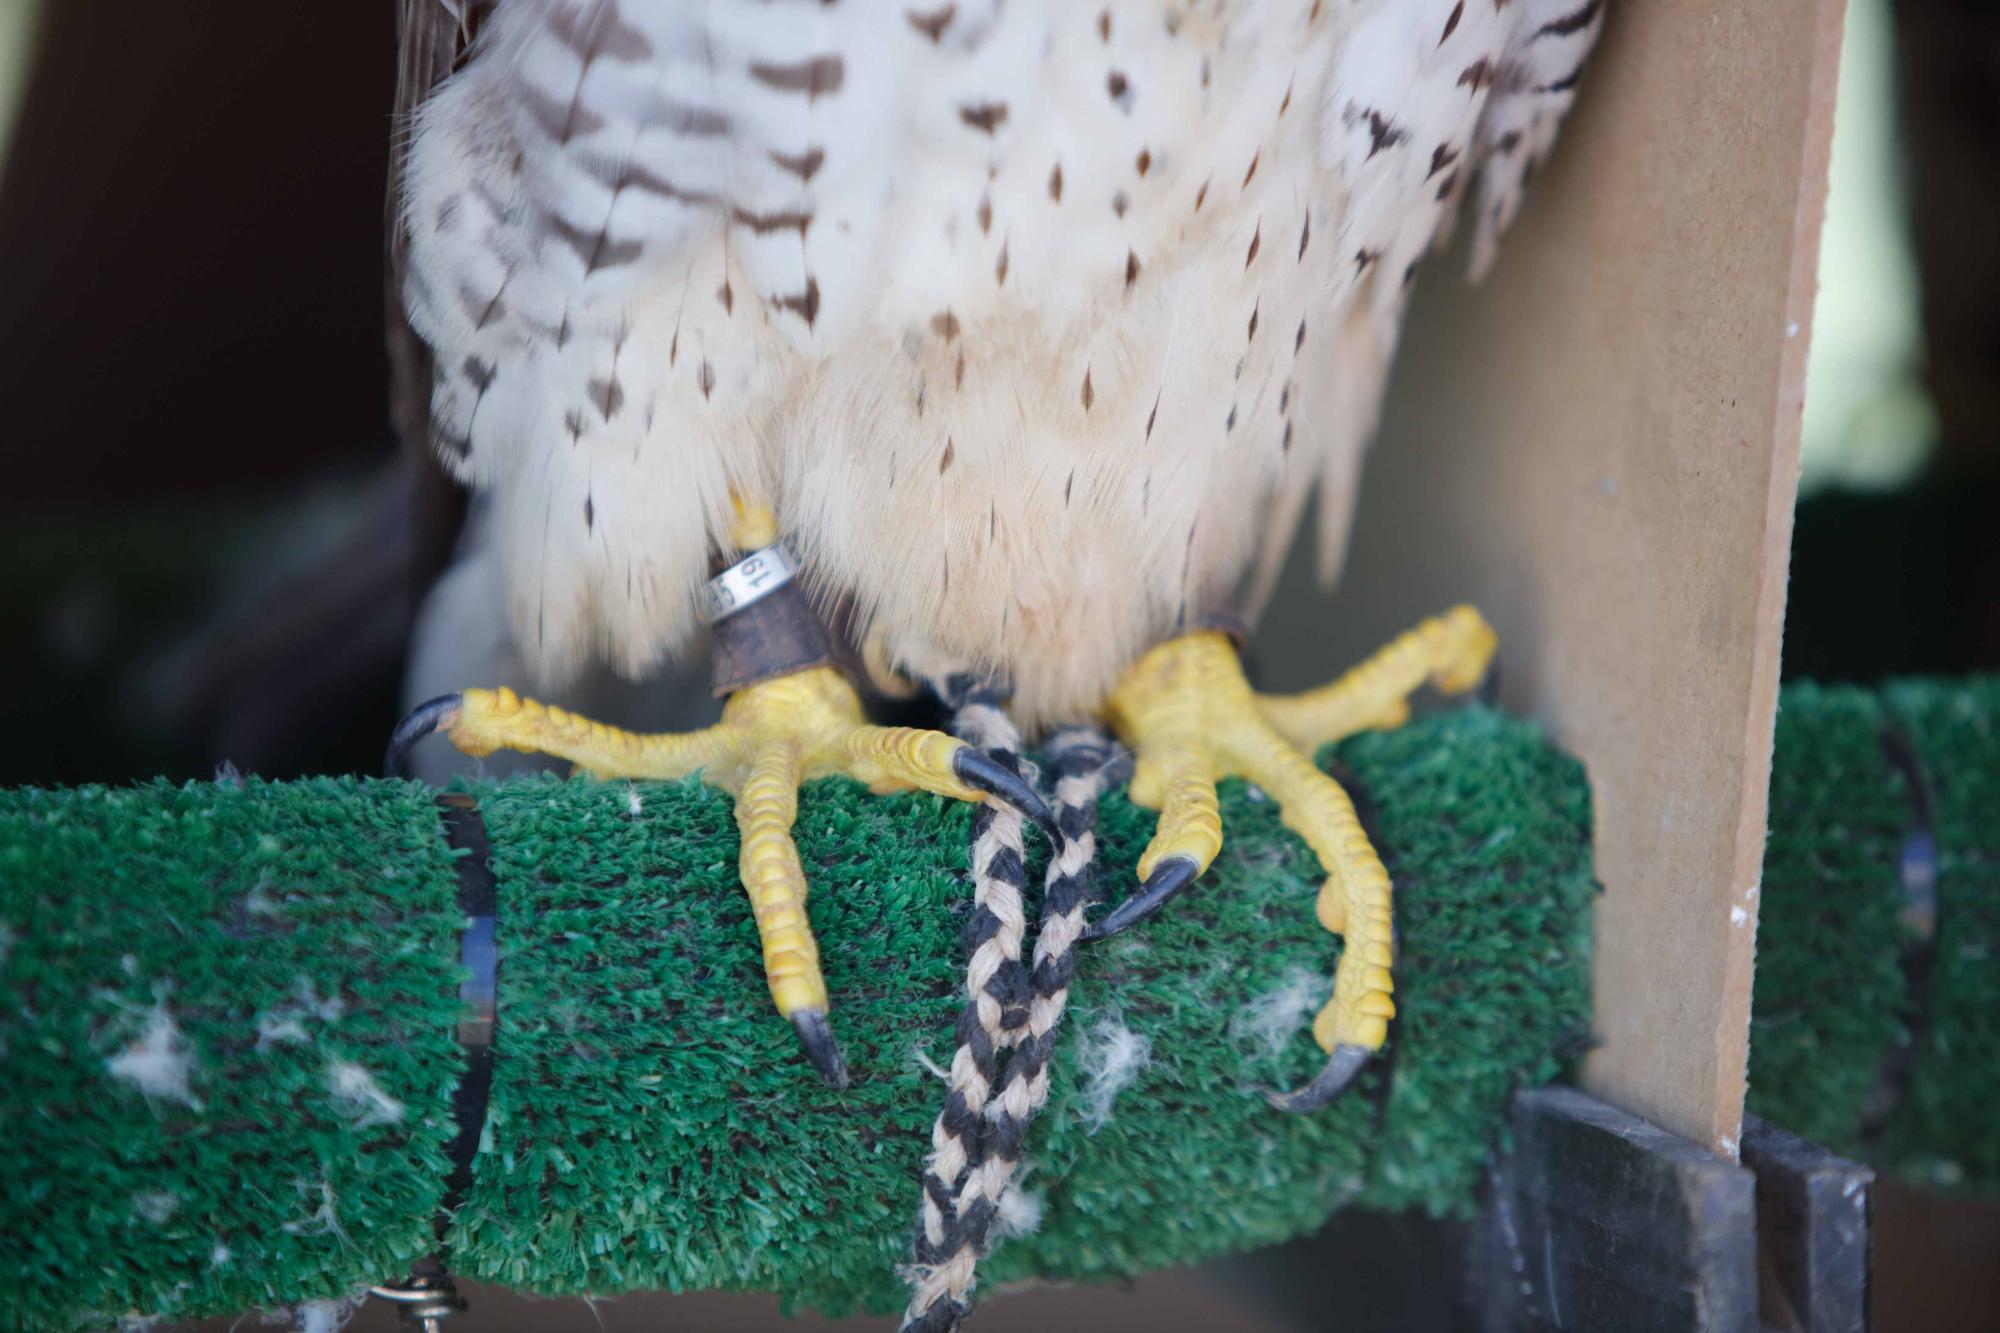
{"x":774,"y":735}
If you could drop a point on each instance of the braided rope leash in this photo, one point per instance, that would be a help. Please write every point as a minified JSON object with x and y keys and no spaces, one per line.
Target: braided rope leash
{"x":1080,"y":764}
{"x":954,"y":1215}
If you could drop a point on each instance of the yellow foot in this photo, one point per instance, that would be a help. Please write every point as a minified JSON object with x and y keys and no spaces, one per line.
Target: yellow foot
{"x":773,"y":736}
{"x":1191,"y":719}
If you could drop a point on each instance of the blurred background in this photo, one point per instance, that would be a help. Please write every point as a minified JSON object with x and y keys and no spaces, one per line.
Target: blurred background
{"x":212,"y":547}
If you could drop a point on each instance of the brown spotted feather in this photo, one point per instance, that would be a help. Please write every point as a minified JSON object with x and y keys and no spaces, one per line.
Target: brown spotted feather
{"x":670,"y":251}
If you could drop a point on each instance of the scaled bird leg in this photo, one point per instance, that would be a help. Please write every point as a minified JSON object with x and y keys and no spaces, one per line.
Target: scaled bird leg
{"x":776,"y":732}
{"x":1191,"y":719}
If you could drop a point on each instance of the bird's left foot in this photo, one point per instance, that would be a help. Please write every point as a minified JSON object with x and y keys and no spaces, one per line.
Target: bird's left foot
{"x":1191,"y":719}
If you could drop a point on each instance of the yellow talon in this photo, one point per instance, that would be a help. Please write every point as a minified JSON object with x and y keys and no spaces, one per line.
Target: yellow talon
{"x":1191,"y":719}
{"x":773,"y":736}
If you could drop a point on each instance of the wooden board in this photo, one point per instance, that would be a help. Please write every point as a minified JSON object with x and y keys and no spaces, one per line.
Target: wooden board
{"x":1600,"y":448}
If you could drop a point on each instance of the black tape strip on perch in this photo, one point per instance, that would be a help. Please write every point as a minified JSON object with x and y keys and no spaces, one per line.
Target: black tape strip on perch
{"x":428,"y":1295}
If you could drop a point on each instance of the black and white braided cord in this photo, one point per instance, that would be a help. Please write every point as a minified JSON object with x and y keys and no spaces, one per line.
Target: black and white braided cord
{"x":955,"y":1213}
{"x":957,"y":1218}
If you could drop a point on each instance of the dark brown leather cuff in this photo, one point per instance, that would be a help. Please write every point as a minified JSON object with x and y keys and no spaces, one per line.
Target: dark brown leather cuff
{"x":773,"y":636}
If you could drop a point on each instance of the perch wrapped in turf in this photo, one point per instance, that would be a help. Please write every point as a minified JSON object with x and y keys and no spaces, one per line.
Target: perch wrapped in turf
{"x":230,"y":1011}
{"x":1877,"y":1021}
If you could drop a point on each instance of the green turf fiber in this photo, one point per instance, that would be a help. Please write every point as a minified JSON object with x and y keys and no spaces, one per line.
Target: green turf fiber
{"x":652,"y":1123}
{"x":649,"y":1103}
{"x":1834,"y":1011}
{"x":219,"y":908}
{"x":1827,"y":917}
{"x":1946,"y":1132}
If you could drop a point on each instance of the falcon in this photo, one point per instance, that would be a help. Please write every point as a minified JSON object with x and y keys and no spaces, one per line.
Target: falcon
{"x":1007,"y":338}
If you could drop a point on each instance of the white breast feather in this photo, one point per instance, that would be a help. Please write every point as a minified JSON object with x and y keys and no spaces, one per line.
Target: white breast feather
{"x":1037,"y":322}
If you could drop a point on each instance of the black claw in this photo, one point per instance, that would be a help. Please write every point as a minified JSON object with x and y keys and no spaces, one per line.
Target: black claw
{"x":816,"y":1035}
{"x":976,"y":768}
{"x":424,"y":719}
{"x":1169,"y":877}
{"x":1342,"y":1068}
{"x":1487,"y":691}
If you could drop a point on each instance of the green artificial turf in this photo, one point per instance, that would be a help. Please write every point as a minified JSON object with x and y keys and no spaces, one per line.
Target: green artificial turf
{"x":652,"y":1124}
{"x":1863,"y":1036}
{"x":294,"y":947}
{"x":291,"y":935}
{"x":1946,"y":1131}
{"x":648,"y":1103}
{"x":1827,"y":917}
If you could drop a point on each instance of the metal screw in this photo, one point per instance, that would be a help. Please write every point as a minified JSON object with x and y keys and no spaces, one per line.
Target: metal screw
{"x":425,"y":1300}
